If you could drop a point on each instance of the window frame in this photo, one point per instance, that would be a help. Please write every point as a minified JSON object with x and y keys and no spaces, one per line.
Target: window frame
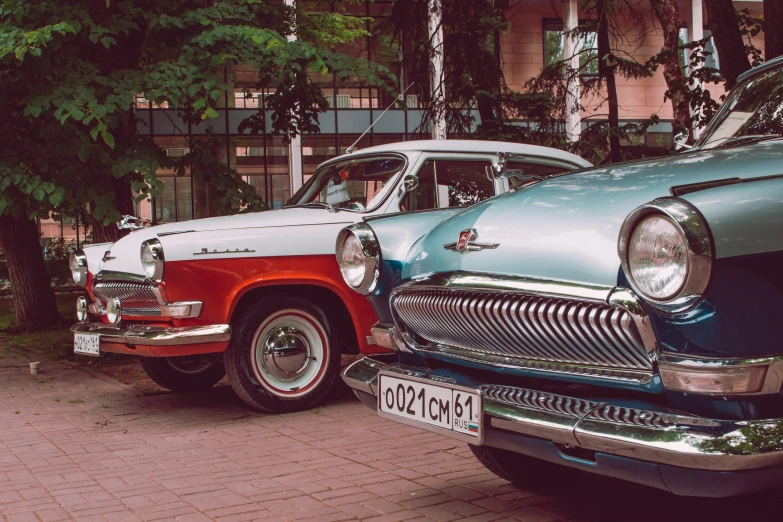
{"x":561,"y":23}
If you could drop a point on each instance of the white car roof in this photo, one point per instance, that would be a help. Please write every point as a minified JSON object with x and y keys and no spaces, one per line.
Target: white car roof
{"x":469,"y":146}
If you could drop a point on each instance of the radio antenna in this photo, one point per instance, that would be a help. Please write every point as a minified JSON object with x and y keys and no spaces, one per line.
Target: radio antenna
{"x":399,"y":96}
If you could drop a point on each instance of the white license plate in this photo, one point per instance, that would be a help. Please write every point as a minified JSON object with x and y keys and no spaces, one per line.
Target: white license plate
{"x":452,"y":410}
{"x":87,"y":343}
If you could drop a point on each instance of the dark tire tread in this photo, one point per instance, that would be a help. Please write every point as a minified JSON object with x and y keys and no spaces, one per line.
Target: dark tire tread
{"x":520,"y":470}
{"x":159,"y":370}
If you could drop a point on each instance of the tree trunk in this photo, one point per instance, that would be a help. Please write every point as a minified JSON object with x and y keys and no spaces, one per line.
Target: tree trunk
{"x":32,"y":291}
{"x":773,"y":29}
{"x":728,"y":39}
{"x":123,"y":201}
{"x":669,"y":15}
{"x":606,"y":68}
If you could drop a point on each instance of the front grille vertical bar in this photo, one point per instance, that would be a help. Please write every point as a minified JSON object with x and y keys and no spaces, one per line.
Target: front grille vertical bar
{"x":523,"y":327}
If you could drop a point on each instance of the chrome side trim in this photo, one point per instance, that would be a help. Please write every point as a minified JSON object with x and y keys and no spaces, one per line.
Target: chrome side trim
{"x":660,"y":437}
{"x":773,"y":380}
{"x":700,"y":250}
{"x":147,"y":335}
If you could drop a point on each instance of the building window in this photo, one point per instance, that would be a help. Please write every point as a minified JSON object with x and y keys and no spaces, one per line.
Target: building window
{"x":586,"y":46}
{"x":712,"y":61}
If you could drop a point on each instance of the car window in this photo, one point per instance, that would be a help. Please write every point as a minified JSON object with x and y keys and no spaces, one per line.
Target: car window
{"x":355,"y":184}
{"x":449,"y":183}
{"x":530,"y":169}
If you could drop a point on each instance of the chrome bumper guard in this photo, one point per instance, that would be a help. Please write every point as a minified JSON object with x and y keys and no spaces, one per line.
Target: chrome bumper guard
{"x":673,"y":439}
{"x":147,"y":335}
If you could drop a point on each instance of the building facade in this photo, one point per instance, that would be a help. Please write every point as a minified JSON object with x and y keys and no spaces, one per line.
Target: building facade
{"x":276,"y":168}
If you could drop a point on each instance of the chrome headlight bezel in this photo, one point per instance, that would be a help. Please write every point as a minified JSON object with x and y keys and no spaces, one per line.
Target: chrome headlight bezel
{"x":78,"y":264}
{"x":699,"y":251}
{"x":371,"y":251}
{"x":152,"y":260}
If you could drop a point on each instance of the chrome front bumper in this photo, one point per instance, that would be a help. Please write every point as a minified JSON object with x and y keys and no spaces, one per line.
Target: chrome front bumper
{"x":657,"y":437}
{"x":147,"y":335}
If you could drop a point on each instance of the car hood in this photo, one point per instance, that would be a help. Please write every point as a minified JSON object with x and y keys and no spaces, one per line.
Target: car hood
{"x":566,"y":228}
{"x":291,"y":231}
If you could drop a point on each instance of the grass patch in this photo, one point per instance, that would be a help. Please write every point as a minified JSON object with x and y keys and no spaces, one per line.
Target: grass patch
{"x":75,"y":401}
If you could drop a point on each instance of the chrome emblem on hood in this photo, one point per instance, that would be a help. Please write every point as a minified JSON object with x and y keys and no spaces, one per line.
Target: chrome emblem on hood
{"x":466,"y":243}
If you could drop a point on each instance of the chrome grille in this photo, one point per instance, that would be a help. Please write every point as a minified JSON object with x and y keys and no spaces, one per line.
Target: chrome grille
{"x":136,"y":297}
{"x":527,"y":331}
{"x":535,"y":400}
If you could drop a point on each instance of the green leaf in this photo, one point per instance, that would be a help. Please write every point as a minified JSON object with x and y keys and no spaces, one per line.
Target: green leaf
{"x":194,"y":88}
{"x":200,"y":103}
{"x":108,"y":139}
{"x":94,"y":132}
{"x":84,"y":152}
{"x":39,"y":194}
{"x":211,"y":113}
{"x":56,"y":197}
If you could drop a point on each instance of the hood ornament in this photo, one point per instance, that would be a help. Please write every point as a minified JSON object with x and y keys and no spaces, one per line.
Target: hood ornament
{"x":466,"y":243}
{"x":132,"y":223}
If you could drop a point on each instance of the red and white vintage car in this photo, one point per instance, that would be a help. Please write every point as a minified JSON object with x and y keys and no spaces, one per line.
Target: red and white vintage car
{"x":259,"y":296}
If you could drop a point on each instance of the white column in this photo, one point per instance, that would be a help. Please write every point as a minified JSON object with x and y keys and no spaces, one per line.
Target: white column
{"x":295,"y":147}
{"x":570,"y":51}
{"x":696,"y":33}
{"x":436,"y":80}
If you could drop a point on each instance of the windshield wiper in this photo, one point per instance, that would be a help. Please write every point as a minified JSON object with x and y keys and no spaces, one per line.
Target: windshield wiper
{"x":748,"y":138}
{"x":318,"y":204}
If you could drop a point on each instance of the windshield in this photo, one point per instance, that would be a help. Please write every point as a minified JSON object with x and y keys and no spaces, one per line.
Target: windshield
{"x":355,"y":184}
{"x":753,"y":110}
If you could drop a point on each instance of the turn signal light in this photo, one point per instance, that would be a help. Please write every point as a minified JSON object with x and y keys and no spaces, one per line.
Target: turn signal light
{"x":715,"y":381}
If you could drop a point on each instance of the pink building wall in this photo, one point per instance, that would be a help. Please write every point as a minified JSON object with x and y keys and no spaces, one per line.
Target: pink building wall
{"x":522,"y":55}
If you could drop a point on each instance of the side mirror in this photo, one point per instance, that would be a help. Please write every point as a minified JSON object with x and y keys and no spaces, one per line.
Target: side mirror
{"x":681,"y":140}
{"x":409,"y":183}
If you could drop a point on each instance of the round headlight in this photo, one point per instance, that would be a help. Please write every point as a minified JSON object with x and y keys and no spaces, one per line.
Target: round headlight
{"x":666,"y":251}
{"x":658,"y":257}
{"x":152,"y":259}
{"x":113,"y":310}
{"x":78,"y":264}
{"x":81,"y":308}
{"x":358,"y":256}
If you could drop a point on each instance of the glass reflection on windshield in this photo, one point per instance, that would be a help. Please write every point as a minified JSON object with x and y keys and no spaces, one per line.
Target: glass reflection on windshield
{"x":753,"y":110}
{"x":356,"y":184}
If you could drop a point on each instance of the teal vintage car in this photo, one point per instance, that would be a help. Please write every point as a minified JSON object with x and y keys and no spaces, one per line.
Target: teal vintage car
{"x":623,"y":320}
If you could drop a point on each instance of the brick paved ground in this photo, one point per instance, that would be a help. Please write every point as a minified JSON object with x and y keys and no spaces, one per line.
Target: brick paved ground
{"x":77,"y":446}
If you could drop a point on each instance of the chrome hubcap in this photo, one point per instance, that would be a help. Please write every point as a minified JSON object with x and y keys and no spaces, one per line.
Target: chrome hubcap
{"x":289,"y":353}
{"x":286,"y":353}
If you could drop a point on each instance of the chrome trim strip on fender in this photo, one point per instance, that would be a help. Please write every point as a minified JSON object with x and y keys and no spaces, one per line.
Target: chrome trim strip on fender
{"x":148,"y":335}
{"x":660,"y":437}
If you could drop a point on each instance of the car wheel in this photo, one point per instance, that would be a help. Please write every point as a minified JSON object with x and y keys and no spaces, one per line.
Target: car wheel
{"x":183,"y":374}
{"x":283,"y":356}
{"x":521,"y":470}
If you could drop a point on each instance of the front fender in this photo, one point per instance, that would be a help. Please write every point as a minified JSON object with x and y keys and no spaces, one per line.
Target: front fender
{"x":220,"y":285}
{"x":396,"y":235}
